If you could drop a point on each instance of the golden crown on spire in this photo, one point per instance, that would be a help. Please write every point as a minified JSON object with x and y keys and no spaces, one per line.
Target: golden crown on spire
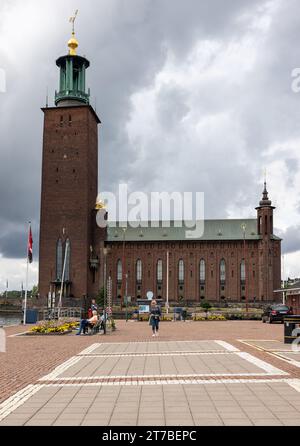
{"x":99,"y":205}
{"x":73,"y":42}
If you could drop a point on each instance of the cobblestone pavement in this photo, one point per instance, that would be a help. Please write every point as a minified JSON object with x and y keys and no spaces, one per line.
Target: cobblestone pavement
{"x":206,"y":373}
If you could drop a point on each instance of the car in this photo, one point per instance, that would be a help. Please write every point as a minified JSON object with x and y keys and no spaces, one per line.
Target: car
{"x":276,"y":313}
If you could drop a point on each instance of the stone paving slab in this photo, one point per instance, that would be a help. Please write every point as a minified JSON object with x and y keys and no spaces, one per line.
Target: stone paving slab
{"x":226,"y":364}
{"x":159,"y":347}
{"x":250,"y":403}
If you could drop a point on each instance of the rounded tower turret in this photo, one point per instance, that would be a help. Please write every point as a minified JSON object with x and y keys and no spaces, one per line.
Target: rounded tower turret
{"x":72,"y":89}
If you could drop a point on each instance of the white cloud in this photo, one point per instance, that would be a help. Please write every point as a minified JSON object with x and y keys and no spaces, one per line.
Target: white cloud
{"x":14,"y":270}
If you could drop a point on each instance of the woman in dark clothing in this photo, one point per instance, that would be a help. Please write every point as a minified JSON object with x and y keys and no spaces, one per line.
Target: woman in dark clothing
{"x":155,"y":314}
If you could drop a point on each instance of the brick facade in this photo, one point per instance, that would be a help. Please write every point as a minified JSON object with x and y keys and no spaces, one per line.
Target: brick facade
{"x":68,"y":197}
{"x":256,"y":287}
{"x":69,"y":191}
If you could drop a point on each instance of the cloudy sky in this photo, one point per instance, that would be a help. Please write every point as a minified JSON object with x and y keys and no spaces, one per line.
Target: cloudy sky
{"x":194,"y":95}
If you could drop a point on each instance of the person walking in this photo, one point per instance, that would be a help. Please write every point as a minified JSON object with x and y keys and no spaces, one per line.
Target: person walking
{"x":155,"y":314}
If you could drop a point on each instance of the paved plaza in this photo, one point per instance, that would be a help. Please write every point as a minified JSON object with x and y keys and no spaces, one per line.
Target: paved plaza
{"x":167,"y":381}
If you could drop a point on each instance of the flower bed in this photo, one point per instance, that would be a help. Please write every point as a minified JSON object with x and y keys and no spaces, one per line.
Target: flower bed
{"x":60,"y":327}
{"x":211,"y":317}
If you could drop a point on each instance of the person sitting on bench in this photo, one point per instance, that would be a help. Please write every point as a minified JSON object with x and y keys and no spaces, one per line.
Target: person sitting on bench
{"x":85,"y":322}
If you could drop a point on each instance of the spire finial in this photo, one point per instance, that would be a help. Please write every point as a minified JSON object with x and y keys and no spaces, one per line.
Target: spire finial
{"x":265,"y":198}
{"x":73,"y":42}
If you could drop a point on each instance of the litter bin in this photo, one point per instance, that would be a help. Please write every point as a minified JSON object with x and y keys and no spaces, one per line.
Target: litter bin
{"x":31,"y":316}
{"x":177,"y":314}
{"x":291,"y":328}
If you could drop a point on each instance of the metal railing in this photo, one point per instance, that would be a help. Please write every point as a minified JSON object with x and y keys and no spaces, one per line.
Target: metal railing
{"x":65,"y":312}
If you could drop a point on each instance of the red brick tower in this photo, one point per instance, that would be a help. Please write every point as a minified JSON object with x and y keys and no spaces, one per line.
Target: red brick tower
{"x":69,"y":185}
{"x":269,"y":255}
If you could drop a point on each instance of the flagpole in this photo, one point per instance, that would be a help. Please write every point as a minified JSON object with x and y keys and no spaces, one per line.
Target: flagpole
{"x":62,"y":280}
{"x":26,"y":290}
{"x":167,"y":284}
{"x":26,"y":284}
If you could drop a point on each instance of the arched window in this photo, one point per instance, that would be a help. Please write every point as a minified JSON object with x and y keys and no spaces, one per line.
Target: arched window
{"x":222,"y":271}
{"x":139,"y":270}
{"x":119,"y":270}
{"x":202,"y":270}
{"x":59,"y":259}
{"x":68,"y":256}
{"x":243,"y":271}
{"x":181,"y":271}
{"x":159,"y":270}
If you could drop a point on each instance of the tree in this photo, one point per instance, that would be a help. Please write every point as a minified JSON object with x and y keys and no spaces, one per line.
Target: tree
{"x":206,"y":306}
{"x":100,"y":297}
{"x":34,"y":291}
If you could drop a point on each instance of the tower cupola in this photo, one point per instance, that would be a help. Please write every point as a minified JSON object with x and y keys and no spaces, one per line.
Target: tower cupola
{"x":72,"y":81}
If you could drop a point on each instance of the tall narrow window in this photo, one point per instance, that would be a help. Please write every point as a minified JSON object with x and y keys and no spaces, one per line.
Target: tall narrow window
{"x":181,"y":271}
{"x":67,"y":255}
{"x":202,"y":270}
{"x":259,"y":226}
{"x":266,"y":225}
{"x":222,"y":271}
{"x":119,"y":270}
{"x":271,"y":224}
{"x":243,"y":271}
{"x":139,"y":270}
{"x":59,"y":259}
{"x":159,"y":271}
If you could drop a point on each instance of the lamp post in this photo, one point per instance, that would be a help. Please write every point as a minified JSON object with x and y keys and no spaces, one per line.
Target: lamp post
{"x":246,"y":295}
{"x":105,"y":251}
{"x":167,"y":285}
{"x":123,"y":267}
{"x":126,"y":296}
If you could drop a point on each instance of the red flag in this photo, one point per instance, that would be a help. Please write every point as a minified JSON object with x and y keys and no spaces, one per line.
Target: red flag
{"x":29,"y":245}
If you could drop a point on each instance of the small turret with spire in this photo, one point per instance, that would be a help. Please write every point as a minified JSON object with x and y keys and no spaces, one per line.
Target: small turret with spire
{"x":265,"y":214}
{"x":265,"y":198}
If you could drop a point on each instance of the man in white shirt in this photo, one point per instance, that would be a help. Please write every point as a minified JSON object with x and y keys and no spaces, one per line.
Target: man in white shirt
{"x":85,"y":322}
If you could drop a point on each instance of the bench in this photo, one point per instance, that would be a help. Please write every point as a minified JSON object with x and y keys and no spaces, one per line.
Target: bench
{"x":93,"y":329}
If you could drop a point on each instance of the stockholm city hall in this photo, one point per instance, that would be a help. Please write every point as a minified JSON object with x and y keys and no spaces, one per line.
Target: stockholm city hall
{"x":233,"y":261}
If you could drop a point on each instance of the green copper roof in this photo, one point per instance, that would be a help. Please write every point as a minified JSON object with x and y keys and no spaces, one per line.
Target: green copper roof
{"x":213,"y":230}
{"x":72,"y":80}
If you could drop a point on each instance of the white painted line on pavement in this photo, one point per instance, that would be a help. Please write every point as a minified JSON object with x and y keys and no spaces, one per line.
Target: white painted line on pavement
{"x":19,"y":398}
{"x":227,"y":346}
{"x":270,"y":369}
{"x":178,"y":381}
{"x":61,"y":368}
{"x":295,"y":383}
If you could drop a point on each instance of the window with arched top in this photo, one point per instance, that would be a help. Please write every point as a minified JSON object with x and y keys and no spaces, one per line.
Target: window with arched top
{"x":139,"y":270}
{"x":202,"y":271}
{"x":222,"y":271}
{"x":119,"y":270}
{"x":243,"y":271}
{"x":159,"y":270}
{"x":59,"y":259}
{"x":181,"y":271}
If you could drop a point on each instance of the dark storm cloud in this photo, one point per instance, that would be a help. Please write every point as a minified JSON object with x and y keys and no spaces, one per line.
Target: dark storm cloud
{"x":128,"y":43}
{"x":291,"y":239}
